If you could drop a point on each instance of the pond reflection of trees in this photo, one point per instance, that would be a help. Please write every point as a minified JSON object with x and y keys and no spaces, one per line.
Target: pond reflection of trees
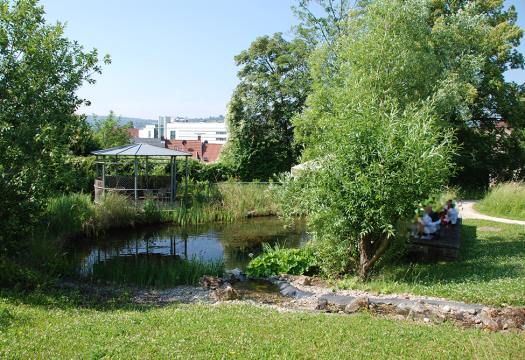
{"x":233,"y":241}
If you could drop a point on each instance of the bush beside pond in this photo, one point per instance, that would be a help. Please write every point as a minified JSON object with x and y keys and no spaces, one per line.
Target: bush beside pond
{"x":279,"y":260}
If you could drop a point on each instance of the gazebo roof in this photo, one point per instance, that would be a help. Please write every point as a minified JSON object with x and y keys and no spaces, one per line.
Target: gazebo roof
{"x":139,"y":150}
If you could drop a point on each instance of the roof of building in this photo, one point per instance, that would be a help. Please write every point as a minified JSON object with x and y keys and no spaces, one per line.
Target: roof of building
{"x":139,"y":150}
{"x":134,"y":132}
{"x":150,"y":141}
{"x":211,"y":151}
{"x":192,"y":146}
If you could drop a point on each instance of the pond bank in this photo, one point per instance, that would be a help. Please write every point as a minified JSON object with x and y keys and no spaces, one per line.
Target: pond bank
{"x":401,"y":307}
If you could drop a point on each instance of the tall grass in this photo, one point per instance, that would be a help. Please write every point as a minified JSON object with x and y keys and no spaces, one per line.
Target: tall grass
{"x":505,"y":200}
{"x":70,"y":215}
{"x":227,"y":202}
{"x":160,"y":272}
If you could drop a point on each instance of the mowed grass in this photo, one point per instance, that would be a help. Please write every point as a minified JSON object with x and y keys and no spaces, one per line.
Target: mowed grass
{"x":236,"y":331}
{"x":506,"y":200}
{"x":491,"y":269}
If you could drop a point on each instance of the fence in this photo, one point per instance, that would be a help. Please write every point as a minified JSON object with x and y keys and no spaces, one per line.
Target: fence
{"x":159,"y":187}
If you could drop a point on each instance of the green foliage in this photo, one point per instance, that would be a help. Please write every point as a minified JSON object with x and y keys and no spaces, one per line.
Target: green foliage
{"x":274,"y":85}
{"x":505,"y":200}
{"x":459,"y":54}
{"x":159,"y":272}
{"x":108,"y":132}
{"x":70,"y":215}
{"x":280,"y":260}
{"x":40,"y":71}
{"x":14,"y":274}
{"x":376,"y":149}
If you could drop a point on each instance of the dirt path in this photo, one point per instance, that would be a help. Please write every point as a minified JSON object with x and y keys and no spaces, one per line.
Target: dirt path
{"x":466,"y":211}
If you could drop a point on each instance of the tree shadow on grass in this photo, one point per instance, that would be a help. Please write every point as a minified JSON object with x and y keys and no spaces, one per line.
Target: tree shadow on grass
{"x":482,"y":258}
{"x":101,"y":297}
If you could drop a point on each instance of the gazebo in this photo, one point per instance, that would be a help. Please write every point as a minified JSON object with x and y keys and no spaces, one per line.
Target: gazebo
{"x":132,"y":178}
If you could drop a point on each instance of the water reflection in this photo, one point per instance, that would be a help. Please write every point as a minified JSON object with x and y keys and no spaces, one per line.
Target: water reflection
{"x":231,"y":241}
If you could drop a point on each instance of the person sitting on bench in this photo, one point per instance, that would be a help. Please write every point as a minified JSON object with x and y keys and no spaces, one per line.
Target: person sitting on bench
{"x":430,"y":224}
{"x":452,"y":213}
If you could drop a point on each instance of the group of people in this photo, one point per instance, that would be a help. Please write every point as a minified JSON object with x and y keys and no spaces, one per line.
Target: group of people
{"x":433,"y":222}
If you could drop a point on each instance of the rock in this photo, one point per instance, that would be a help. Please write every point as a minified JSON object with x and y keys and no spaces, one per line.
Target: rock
{"x":403,"y":312}
{"x":477,"y":321}
{"x":427,"y":320}
{"x":472,"y":312}
{"x":237,"y":272}
{"x":373,"y":306}
{"x":486,"y":309}
{"x":419,"y":310}
{"x":226,"y":293}
{"x":458,"y":315}
{"x":322,"y":304}
{"x":446,"y":308}
{"x":399,"y":317}
{"x":498,"y":319}
{"x":362,"y":302}
{"x":341,"y":312}
{"x":210,"y":282}
{"x":231,"y":277}
{"x":302,"y":280}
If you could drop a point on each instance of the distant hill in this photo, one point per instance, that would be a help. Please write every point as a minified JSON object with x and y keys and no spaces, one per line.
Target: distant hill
{"x":140,"y":123}
{"x":137,"y":123}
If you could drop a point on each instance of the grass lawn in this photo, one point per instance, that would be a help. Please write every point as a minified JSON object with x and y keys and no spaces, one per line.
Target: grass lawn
{"x":235,"y":332}
{"x":491,"y":269}
{"x":51,"y":324}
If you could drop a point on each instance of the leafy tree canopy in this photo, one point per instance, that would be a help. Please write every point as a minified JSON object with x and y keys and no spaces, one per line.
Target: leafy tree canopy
{"x":109,"y":133}
{"x":373,"y":128}
{"x":40,"y":71}
{"x":274,"y":86}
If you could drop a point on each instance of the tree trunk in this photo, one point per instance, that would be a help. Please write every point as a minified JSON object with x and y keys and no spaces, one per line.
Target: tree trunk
{"x":369,"y":252}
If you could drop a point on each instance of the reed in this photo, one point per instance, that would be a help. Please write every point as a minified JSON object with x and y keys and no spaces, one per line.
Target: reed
{"x":505,"y":200}
{"x":150,"y":271}
{"x":70,"y":215}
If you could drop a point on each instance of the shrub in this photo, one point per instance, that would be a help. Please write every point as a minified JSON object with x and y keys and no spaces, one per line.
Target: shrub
{"x":279,"y":260}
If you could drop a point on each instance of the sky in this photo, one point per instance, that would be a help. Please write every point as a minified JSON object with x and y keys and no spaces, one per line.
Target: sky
{"x":174,"y":57}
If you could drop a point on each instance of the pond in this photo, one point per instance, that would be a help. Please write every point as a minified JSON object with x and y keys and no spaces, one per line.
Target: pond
{"x":231,"y":241}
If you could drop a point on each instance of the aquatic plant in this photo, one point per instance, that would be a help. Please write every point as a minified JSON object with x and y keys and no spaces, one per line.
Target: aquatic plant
{"x":152,"y":270}
{"x":280,"y":260}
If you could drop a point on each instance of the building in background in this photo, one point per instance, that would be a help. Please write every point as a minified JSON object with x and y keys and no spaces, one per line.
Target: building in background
{"x":200,"y":150}
{"x":134,"y":132}
{"x":172,"y":128}
{"x":212,"y":132}
{"x":149,"y":132}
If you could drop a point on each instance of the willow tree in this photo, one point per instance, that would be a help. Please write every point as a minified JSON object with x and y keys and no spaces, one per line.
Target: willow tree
{"x":373,"y":127}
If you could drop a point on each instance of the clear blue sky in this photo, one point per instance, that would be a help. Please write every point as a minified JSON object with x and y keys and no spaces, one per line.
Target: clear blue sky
{"x":174,"y":57}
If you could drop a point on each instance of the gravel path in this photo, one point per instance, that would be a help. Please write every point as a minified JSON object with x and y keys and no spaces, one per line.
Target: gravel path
{"x":466,"y":211}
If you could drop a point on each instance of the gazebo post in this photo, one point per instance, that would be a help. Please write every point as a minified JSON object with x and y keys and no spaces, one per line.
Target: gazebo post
{"x":147,"y":181}
{"x":171,"y":190}
{"x":186,"y":191}
{"x":116,"y":171}
{"x":103,"y":174}
{"x":96,"y":166}
{"x":136,"y":179}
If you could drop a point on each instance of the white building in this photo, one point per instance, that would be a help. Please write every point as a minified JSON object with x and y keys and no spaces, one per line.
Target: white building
{"x":173,"y":129}
{"x":149,"y":132}
{"x":214,"y":132}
